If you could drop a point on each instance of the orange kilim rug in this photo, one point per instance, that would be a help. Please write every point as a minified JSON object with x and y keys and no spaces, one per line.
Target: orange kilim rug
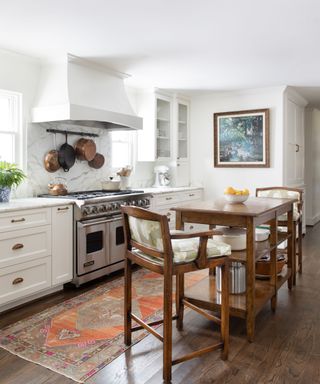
{"x":80,"y":336}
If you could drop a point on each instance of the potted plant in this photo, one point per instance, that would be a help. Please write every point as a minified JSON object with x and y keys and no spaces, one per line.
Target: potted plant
{"x":10,"y":176}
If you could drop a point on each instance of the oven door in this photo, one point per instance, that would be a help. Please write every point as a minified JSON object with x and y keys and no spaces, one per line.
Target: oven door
{"x":117,"y":243}
{"x":92,"y":245}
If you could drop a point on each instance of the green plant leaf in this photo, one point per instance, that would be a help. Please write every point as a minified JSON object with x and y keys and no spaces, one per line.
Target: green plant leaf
{"x":10,"y":175}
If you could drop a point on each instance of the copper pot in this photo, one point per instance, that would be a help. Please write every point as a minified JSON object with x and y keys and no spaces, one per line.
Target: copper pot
{"x":85,"y":149}
{"x":97,"y":162}
{"x":57,"y":189}
{"x":51,"y":161}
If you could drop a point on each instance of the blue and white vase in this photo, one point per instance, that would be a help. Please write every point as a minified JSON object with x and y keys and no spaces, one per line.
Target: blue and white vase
{"x":5,"y":194}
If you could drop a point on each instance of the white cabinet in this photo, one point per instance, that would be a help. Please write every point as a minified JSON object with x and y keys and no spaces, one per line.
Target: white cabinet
{"x":165,"y":134}
{"x":162,"y":203}
{"x":36,"y":251}
{"x":24,"y":279}
{"x":294,"y":139}
{"x":62,"y":244}
{"x":163,"y":125}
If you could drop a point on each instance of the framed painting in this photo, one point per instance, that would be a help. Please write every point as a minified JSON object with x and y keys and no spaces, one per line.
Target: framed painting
{"x":241,"y":139}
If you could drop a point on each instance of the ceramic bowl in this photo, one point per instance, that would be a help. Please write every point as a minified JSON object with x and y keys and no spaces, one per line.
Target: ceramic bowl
{"x":234,"y":199}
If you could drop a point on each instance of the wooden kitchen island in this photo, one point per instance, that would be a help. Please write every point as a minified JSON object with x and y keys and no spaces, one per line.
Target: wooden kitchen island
{"x":253,"y":212}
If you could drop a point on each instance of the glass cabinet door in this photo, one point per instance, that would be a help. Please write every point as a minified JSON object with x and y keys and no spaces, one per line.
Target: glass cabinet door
{"x":163,"y":123}
{"x":182,"y":131}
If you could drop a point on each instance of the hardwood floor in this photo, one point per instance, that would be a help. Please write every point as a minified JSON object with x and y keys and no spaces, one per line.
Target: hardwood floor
{"x":286,"y":347}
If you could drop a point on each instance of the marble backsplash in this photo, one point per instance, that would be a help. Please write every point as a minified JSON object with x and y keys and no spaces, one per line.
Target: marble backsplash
{"x":80,"y":176}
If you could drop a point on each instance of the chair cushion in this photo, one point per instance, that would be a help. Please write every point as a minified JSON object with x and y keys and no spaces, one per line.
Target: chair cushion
{"x":186,"y":250}
{"x":283,"y":194}
{"x":146,"y":232}
{"x":296,"y":216}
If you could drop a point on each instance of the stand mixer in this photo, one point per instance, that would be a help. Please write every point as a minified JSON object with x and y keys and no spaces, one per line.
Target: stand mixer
{"x":162,"y":177}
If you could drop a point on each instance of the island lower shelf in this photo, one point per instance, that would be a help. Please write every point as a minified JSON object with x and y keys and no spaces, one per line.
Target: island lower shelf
{"x":261,"y":248}
{"x":206,"y":294}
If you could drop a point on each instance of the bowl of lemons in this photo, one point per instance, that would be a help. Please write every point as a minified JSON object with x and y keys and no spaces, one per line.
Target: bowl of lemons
{"x":234,"y":196}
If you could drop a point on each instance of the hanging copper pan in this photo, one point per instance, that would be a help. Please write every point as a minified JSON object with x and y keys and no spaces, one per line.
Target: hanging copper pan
{"x":85,"y":149}
{"x":51,"y":160}
{"x":97,"y":162}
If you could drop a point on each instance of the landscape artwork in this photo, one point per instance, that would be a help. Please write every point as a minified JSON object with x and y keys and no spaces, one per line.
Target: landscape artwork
{"x":241,"y":139}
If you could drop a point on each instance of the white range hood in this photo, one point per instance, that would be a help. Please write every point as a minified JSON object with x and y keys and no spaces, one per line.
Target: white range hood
{"x":80,"y":92}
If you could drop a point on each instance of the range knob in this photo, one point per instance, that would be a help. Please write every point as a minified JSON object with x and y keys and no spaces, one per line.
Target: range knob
{"x":114,"y":206}
{"x":94,"y":209}
{"x":86,"y":211}
{"x":102,"y":208}
{"x":133,"y":202}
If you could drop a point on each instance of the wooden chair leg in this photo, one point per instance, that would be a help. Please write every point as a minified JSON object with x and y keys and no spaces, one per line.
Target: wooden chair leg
{"x":294,"y":251}
{"x":300,"y":246}
{"x":127,"y":301}
{"x":179,"y":303}
{"x":167,"y":328}
{"x":225,"y":311}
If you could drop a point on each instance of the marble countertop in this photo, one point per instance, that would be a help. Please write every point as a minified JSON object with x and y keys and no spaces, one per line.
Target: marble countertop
{"x":32,"y":202}
{"x":42,"y":202}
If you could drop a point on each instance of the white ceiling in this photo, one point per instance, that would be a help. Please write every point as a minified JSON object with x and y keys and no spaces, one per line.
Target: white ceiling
{"x":182,"y":44}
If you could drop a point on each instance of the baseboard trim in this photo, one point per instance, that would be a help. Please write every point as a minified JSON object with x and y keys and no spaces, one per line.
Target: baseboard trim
{"x":24,"y":300}
{"x":313,"y":221}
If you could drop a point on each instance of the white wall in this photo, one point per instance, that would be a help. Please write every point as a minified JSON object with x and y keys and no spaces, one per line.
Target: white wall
{"x":312,"y":142}
{"x":215,"y":180}
{"x":19,"y":73}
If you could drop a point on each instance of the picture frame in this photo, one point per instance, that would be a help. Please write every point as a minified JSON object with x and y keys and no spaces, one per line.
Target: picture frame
{"x":241,"y":139}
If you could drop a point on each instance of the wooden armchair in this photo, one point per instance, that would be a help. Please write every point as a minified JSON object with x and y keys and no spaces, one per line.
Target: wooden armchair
{"x":287,"y":192}
{"x":150,"y":245}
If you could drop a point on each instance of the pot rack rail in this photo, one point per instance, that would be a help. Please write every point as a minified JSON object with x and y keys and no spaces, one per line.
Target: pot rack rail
{"x":64,"y":132}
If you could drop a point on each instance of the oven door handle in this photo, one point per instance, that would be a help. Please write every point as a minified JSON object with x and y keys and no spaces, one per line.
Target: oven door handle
{"x":96,"y":222}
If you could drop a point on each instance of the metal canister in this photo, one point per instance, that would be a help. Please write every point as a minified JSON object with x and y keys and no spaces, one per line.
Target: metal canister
{"x":237,"y":278}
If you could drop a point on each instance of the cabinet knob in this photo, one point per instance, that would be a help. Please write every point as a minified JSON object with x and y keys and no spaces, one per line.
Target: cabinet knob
{"x":17,"y":246}
{"x":17,"y":280}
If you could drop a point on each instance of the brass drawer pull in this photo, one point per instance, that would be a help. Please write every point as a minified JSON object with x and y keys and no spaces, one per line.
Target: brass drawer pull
{"x":168,"y":198}
{"x":63,"y":209}
{"x":18,"y":220}
{"x":17,"y":246}
{"x":18,"y":280}
{"x":191,"y":194}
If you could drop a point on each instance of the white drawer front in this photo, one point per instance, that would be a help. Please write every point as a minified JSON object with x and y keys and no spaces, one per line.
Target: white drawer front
{"x":191,"y":195}
{"x":24,"y":245}
{"x":167,"y":199}
{"x":24,"y":279}
{"x":15,"y":220}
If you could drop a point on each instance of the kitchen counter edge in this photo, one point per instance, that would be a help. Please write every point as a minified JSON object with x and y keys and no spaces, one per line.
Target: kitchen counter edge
{"x":32,"y":203}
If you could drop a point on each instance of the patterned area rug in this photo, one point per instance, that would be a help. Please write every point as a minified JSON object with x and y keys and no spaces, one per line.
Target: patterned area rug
{"x":80,"y":336}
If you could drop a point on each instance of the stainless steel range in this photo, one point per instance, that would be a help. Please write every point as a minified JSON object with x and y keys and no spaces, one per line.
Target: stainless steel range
{"x":99,"y":241}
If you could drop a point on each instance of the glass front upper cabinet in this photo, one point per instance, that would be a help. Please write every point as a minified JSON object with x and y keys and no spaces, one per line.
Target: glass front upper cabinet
{"x":163,"y":133}
{"x":182,"y":150}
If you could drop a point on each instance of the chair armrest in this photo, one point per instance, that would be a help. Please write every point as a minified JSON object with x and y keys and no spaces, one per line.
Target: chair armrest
{"x":190,"y":235}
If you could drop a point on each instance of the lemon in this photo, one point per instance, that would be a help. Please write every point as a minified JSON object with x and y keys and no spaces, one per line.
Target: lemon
{"x":246,"y":192}
{"x":229,"y":191}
